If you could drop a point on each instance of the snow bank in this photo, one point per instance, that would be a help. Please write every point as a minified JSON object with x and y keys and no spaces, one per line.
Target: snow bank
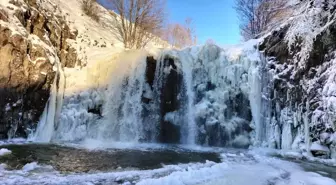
{"x":4,"y":151}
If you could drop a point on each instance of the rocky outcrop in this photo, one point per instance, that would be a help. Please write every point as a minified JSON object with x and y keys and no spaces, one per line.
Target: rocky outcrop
{"x":301,"y":99}
{"x":33,"y":47}
{"x":170,"y":88}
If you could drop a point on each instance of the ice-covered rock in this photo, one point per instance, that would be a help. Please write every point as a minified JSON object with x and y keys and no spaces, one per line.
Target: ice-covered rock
{"x":30,"y":166}
{"x":299,"y":88}
{"x":4,"y":151}
{"x":319,"y":150}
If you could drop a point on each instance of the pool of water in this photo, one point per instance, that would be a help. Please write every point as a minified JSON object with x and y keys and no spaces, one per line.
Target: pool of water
{"x":68,"y":159}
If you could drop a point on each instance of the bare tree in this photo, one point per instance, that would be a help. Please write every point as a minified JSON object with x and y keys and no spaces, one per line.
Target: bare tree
{"x":140,"y":20}
{"x":257,"y":16}
{"x":180,"y":35}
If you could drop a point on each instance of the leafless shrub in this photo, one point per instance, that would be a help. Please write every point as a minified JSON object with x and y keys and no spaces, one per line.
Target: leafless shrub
{"x":181,"y":35}
{"x":90,"y":8}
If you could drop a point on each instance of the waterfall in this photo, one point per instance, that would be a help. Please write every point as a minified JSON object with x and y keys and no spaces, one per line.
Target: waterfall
{"x":201,"y":95}
{"x":46,"y":126}
{"x":123,"y":109}
{"x":191,"y":129}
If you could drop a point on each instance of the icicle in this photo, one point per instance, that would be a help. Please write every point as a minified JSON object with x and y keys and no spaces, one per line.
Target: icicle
{"x":255,"y":101}
{"x":46,"y":126}
{"x":60,"y":94}
{"x":192,"y":129}
{"x":306,"y":127}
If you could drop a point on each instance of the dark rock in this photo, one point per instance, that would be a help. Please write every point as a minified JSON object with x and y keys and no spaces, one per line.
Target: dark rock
{"x":27,"y":71}
{"x":96,"y":110}
{"x":150,"y":70}
{"x":169,"y":132}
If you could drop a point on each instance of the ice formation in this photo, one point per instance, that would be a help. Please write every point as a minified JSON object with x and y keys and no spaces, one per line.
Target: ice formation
{"x":201,"y":95}
{"x":52,"y":111}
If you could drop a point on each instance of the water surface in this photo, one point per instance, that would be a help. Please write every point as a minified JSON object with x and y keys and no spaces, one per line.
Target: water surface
{"x":69,"y":159}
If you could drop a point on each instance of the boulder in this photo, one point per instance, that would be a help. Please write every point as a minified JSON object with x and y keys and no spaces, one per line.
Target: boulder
{"x":319,"y":150}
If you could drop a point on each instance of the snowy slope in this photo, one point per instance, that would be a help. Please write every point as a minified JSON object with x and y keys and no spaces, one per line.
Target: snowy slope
{"x":96,"y":40}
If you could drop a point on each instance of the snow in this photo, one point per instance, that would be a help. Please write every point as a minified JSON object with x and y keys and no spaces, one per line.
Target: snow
{"x":2,"y":167}
{"x":308,"y":21}
{"x":4,"y":151}
{"x":318,"y":147}
{"x":237,"y":169}
{"x":292,"y":154}
{"x":30,"y":166}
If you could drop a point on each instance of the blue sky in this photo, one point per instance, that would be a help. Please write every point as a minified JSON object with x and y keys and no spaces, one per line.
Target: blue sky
{"x":215,"y":19}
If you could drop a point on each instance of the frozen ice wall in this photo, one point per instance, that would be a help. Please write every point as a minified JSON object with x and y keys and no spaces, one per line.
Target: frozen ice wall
{"x":200,"y":95}
{"x":227,"y":85}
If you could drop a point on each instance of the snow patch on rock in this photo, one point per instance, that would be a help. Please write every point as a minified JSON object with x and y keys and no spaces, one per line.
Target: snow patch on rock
{"x":4,"y":151}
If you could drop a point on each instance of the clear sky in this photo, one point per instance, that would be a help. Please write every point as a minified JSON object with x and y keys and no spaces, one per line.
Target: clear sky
{"x":215,"y":19}
{"x":212,"y":19}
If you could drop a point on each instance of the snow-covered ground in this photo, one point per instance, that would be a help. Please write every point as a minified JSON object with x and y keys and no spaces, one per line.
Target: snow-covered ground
{"x":238,"y":168}
{"x":291,"y":154}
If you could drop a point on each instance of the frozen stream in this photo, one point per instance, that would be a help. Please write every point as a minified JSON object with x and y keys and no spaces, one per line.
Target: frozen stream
{"x":30,"y":164}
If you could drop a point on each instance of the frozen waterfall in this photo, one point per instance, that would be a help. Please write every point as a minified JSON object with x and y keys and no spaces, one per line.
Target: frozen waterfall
{"x":46,"y":126}
{"x":201,"y":95}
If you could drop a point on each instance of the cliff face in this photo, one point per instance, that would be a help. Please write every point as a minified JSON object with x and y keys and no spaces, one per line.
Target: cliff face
{"x":34,"y":47}
{"x":42,"y":41}
{"x":301,"y":82}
